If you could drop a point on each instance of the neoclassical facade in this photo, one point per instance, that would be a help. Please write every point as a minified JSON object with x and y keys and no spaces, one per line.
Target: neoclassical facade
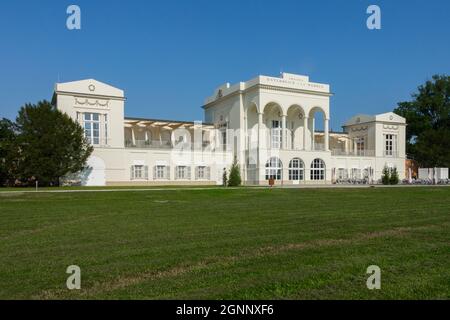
{"x":277,"y":128}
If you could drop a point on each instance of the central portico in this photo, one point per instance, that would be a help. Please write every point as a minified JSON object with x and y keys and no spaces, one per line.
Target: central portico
{"x":276,"y":118}
{"x":274,"y":122}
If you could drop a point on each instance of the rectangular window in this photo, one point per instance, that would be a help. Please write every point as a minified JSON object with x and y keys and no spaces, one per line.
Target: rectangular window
{"x":276,"y":134}
{"x":139,"y":172}
{"x":182,"y":172}
{"x":202,"y":173}
{"x":390,"y":145}
{"x":92,"y":127}
{"x":342,"y":173}
{"x":160,"y":172}
{"x":223,"y":135}
{"x":360,"y":146}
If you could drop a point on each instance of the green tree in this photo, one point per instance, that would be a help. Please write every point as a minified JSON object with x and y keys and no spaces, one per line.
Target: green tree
{"x":235,"y":175}
{"x":8,"y":152}
{"x":385,"y":175}
{"x":428,"y":119}
{"x":393,"y":179}
{"x":51,"y":144}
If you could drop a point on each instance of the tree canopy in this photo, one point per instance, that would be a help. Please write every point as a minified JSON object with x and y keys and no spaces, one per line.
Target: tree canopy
{"x":8,"y":151}
{"x":50,"y":144}
{"x":428,"y":123}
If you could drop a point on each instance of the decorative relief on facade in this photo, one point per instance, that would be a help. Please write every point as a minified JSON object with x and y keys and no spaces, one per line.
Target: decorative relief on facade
{"x":357,"y":129}
{"x":390,"y":127}
{"x":91,"y":102}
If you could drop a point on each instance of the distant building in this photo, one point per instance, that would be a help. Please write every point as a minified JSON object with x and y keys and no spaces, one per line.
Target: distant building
{"x":267,"y":123}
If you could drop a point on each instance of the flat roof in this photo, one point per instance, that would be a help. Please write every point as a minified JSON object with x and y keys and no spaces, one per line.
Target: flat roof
{"x":166,"y":120}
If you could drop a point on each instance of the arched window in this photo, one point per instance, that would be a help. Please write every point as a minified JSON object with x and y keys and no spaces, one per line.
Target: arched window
{"x":318,"y":169}
{"x":296,"y":169}
{"x":274,"y":168}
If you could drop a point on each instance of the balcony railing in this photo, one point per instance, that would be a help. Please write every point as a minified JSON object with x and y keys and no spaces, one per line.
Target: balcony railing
{"x":157,"y":144}
{"x":353,"y":153}
{"x":318,"y":147}
{"x":149,"y":144}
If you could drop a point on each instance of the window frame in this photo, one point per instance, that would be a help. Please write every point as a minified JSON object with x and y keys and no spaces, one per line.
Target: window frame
{"x":274,"y":169}
{"x":297,"y":172}
{"x":89,"y":124}
{"x":318,"y":170}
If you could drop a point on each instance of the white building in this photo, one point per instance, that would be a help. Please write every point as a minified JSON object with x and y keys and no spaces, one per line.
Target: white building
{"x":267,"y":123}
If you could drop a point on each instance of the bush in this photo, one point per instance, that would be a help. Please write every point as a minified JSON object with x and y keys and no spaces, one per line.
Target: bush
{"x":386,"y":176}
{"x":393,"y":179}
{"x":235,"y":175}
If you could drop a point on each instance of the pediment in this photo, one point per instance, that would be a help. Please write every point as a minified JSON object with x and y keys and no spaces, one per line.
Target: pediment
{"x":89,"y":87}
{"x":390,"y":117}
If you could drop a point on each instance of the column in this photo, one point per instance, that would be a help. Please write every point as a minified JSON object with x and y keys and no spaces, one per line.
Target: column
{"x":260,"y":124}
{"x":260,"y":145}
{"x":133,"y":137}
{"x":313,"y":130}
{"x":327,"y":135}
{"x":355,"y":147}
{"x":305,"y":132}
{"x":283,"y":132}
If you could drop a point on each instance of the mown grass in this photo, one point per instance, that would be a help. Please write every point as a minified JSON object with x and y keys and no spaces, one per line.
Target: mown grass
{"x":227,"y":244}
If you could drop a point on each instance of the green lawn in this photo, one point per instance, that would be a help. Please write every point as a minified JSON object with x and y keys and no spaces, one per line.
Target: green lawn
{"x":227,"y":244}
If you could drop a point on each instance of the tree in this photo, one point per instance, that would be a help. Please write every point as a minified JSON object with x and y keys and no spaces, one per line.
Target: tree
{"x":235,"y":175}
{"x":428,"y":119}
{"x":8,"y":152}
{"x":51,"y":144}
{"x":385,"y":175}
{"x":393,"y":179}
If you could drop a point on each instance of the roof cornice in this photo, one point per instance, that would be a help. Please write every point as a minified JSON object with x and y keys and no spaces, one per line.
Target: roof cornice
{"x":268,"y":87}
{"x":84,"y":95}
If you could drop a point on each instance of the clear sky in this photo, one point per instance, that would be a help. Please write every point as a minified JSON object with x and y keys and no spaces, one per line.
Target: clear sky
{"x":169,"y":55}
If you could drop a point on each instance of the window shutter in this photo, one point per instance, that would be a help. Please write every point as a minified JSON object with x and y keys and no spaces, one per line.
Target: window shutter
{"x":197,"y":169}
{"x":154,"y":172}
{"x":132,"y":173}
{"x":146,"y":172}
{"x":208,"y":173}
{"x":167,"y":172}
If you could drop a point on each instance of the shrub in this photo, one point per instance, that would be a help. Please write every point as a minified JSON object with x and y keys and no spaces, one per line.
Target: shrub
{"x":386,"y":176}
{"x":235,"y":175}
{"x":393,"y":179}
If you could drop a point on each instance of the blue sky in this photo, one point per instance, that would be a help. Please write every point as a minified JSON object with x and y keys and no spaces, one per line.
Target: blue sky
{"x":169,"y":55}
